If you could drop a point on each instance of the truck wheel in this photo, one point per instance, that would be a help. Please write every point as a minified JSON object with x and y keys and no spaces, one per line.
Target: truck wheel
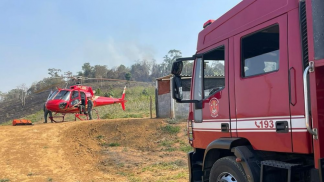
{"x":227,"y":169}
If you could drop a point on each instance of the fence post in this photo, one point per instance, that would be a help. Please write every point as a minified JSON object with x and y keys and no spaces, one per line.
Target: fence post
{"x":151,"y":106}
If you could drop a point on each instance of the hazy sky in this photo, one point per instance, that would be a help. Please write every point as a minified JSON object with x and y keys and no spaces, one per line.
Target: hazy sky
{"x":36,"y":35}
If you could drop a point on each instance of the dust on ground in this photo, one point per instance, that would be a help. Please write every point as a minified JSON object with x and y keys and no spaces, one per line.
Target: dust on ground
{"x":105,"y":150}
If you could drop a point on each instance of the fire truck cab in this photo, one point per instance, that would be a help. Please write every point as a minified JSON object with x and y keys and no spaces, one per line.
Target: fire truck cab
{"x":257,"y":94}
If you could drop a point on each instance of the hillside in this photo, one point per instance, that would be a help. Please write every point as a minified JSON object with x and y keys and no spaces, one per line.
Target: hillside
{"x":34,"y":103}
{"x":131,"y":150}
{"x":13,"y":109}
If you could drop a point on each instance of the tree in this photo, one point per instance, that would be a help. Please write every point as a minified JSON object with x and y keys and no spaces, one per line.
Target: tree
{"x":140,"y":71}
{"x":87,"y":69}
{"x":121,"y":71}
{"x":23,"y":93}
{"x":157,"y":70}
{"x":112,"y":73}
{"x":168,"y":61}
{"x":68,"y":74}
{"x":2,"y":96}
{"x":79,"y":73}
{"x":128,"y":76}
{"x":54,"y":72}
{"x":100,"y":71}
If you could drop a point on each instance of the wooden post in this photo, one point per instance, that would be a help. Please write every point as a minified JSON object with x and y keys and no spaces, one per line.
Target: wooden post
{"x":151,"y":106}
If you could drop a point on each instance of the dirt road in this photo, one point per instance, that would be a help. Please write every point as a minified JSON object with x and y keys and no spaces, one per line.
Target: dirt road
{"x":112,"y":150}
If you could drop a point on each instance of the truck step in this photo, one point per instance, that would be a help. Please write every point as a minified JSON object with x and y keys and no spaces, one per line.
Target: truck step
{"x":271,"y":167}
{"x":279,"y":164}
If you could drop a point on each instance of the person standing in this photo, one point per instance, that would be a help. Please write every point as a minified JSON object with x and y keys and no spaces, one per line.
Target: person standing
{"x":46,"y":112}
{"x":90,"y":105}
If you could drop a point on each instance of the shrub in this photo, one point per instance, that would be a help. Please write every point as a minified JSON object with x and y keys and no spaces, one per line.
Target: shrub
{"x":171,"y":129}
{"x":108,"y":94}
{"x":145,"y":92}
{"x":114,"y":145}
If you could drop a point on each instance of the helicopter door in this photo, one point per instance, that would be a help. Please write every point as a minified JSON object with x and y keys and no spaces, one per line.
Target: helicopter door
{"x":83,"y":99}
{"x":75,"y":99}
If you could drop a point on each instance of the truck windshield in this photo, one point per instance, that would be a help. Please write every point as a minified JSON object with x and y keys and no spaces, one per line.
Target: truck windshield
{"x":63,"y":95}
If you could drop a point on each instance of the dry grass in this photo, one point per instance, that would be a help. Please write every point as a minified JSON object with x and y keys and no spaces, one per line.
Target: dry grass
{"x":140,"y":150}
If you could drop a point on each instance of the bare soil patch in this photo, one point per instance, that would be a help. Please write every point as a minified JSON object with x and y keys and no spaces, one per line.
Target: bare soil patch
{"x":109,"y":150}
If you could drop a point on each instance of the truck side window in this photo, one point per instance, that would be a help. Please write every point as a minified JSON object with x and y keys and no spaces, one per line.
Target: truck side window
{"x":260,"y":52}
{"x":214,"y":71}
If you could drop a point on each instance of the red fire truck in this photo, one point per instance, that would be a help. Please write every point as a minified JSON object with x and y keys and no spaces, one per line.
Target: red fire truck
{"x":257,"y":94}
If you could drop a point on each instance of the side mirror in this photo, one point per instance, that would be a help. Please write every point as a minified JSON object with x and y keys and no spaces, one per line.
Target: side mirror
{"x":177,"y":93}
{"x":182,"y":71}
{"x":177,"y":68}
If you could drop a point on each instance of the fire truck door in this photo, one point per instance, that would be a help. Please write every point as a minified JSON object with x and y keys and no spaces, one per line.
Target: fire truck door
{"x":262,"y":87}
{"x":211,"y":86}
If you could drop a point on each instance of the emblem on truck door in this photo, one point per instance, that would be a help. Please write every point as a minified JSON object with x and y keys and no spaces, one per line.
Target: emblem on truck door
{"x":214,"y":107}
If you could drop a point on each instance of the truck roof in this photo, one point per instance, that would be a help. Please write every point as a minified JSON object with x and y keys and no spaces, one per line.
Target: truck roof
{"x":241,"y":17}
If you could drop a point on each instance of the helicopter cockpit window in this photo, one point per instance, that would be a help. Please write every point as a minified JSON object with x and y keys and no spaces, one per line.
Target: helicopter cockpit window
{"x":63,"y":95}
{"x":52,"y":95}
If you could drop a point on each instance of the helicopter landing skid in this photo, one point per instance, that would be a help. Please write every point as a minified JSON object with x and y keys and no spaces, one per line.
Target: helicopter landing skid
{"x":57,"y":121}
{"x":79,"y":116}
{"x":86,"y":116}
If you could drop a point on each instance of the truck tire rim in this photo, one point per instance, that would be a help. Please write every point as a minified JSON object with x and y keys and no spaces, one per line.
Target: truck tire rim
{"x":226,"y":177}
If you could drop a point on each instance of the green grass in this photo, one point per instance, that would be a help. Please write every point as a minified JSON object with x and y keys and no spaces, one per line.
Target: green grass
{"x":171,"y":129}
{"x":178,"y":164}
{"x":180,"y":175}
{"x":170,"y":149}
{"x":120,"y":164}
{"x":176,"y":120}
{"x":134,"y":179}
{"x":186,"y":148}
{"x":167,"y":143}
{"x":99,"y":137}
{"x":109,"y":144}
{"x":5,"y":124}
{"x":122,"y":173}
{"x":4,"y":180}
{"x":38,"y":116}
{"x":137,"y":105}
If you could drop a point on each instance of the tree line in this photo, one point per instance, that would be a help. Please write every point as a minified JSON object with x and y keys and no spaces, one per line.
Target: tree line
{"x":141,"y":70}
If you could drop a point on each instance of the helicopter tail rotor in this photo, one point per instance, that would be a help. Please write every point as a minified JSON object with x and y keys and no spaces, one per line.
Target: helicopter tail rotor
{"x":123,"y":99}
{"x":124,"y":93}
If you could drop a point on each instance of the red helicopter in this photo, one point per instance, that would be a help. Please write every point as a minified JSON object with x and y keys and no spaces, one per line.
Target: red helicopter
{"x":64,"y":101}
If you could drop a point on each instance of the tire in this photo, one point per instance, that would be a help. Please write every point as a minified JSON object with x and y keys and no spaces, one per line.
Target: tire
{"x":227,"y":169}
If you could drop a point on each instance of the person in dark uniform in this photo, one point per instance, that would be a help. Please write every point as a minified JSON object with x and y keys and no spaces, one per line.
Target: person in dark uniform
{"x":46,"y":112}
{"x":82,"y":105}
{"x":90,"y":105}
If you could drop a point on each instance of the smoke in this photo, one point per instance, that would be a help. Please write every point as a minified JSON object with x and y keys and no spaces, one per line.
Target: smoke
{"x":114,"y":53}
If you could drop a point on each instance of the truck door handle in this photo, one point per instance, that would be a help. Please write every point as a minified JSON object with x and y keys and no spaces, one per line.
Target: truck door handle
{"x":282,"y":127}
{"x":225,"y":127}
{"x":292,"y":86}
